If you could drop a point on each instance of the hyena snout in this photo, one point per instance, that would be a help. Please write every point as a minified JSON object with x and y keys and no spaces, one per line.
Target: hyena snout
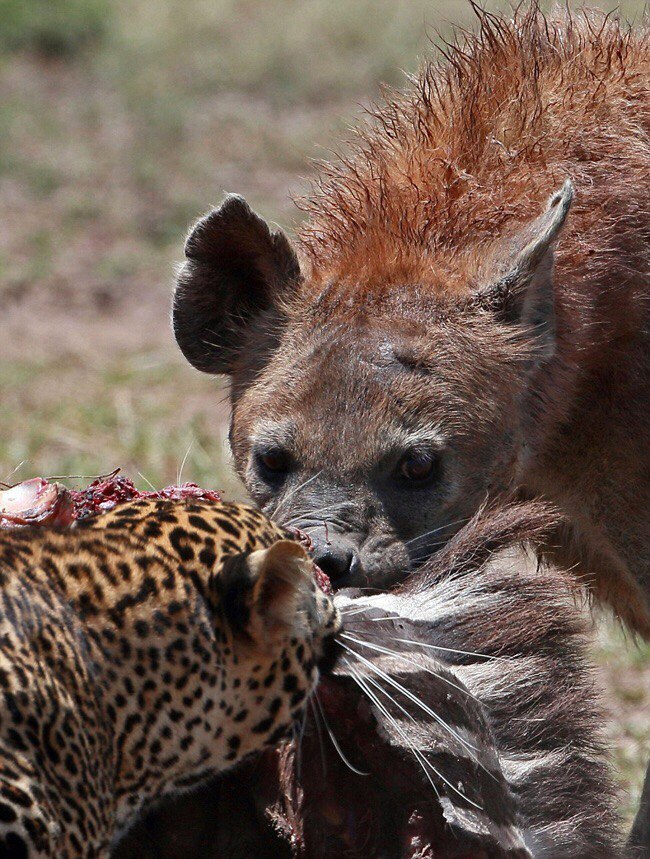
{"x":338,"y":556}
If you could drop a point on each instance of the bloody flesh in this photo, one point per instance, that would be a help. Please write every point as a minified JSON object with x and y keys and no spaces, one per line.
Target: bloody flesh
{"x":40,"y":502}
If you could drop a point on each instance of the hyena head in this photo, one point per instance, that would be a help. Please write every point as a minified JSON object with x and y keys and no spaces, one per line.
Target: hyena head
{"x":377,"y":413}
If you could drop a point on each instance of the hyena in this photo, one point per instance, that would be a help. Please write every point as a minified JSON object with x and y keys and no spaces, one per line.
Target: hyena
{"x":465,"y":314}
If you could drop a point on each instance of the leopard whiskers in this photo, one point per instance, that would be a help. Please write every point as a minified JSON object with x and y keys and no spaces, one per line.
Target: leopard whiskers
{"x":486,"y":656}
{"x":353,"y":612}
{"x":414,"y":698}
{"x":410,"y":660}
{"x":455,"y":650}
{"x":320,"y":735}
{"x":419,"y":756}
{"x":335,"y":742}
{"x":298,"y":736}
{"x":364,"y":683}
{"x":147,"y":481}
{"x":182,"y":465}
{"x":8,"y":477}
{"x":438,"y":676}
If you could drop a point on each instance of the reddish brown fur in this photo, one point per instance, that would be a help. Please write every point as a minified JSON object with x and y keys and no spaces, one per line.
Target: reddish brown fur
{"x":476,"y":146}
{"x":441,"y":172}
{"x":384,"y":331}
{"x":450,"y":321}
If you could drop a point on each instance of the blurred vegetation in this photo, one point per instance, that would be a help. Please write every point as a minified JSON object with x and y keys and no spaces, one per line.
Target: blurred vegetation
{"x":625,"y":670}
{"x":53,"y":27}
{"x":122,"y":414}
{"x":122,"y":120}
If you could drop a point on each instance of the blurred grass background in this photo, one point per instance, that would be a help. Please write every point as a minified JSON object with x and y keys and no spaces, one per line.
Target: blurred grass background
{"x":120,"y":122}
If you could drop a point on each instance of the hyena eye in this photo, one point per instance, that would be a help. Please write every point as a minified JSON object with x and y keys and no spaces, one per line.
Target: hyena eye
{"x":419,"y":466}
{"x":273,"y":463}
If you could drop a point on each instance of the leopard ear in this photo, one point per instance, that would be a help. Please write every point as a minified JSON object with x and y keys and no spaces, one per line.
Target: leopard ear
{"x":235,"y":271}
{"x":262,"y":593}
{"x":282,"y":583}
{"x":523,"y":294}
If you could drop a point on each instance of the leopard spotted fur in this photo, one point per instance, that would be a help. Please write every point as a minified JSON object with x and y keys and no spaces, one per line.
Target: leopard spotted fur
{"x":140,"y":652}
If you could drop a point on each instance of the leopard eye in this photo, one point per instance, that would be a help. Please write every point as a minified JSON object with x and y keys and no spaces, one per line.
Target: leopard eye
{"x":273,"y":463}
{"x":419,"y":466}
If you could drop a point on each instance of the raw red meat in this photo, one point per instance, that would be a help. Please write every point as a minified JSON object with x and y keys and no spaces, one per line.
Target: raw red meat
{"x":39,"y":502}
{"x":36,"y":502}
{"x":105,"y":492}
{"x":102,"y":494}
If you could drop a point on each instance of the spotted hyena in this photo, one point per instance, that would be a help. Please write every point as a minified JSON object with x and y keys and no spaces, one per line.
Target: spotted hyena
{"x":465,"y":313}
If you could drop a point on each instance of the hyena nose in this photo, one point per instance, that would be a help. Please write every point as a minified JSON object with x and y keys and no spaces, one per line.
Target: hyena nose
{"x":336,"y":558}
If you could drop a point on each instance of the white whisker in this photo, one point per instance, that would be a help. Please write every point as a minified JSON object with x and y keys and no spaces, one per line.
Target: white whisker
{"x":436,"y":530}
{"x":180,"y":470}
{"x":298,"y":738}
{"x":414,"y":698}
{"x":147,"y":481}
{"x":13,"y":471}
{"x":315,"y":513}
{"x":320,"y":736}
{"x":283,"y":501}
{"x":410,"y":660}
{"x":335,"y":741}
{"x":420,"y":757}
{"x":362,"y":683}
{"x":451,"y":649}
{"x":432,"y":646}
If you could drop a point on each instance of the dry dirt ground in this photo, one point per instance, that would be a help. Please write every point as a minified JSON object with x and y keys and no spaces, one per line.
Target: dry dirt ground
{"x":120,"y":122}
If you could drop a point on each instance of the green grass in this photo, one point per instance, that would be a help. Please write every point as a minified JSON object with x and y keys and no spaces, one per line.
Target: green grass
{"x":56,"y":28}
{"x":142,"y":413}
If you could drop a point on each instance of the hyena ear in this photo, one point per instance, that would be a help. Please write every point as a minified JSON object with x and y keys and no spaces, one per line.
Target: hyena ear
{"x":235,"y":269}
{"x":523,"y":295}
